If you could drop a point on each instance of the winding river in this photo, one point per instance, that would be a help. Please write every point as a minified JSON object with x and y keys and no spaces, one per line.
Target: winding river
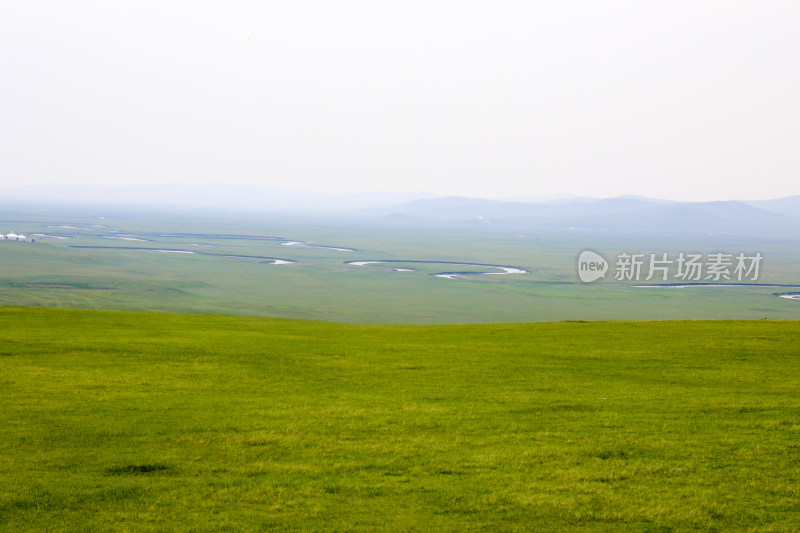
{"x":270,"y":260}
{"x":447,"y":275}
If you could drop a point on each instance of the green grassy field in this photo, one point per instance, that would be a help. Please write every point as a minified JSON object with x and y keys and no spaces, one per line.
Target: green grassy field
{"x":321,"y":286}
{"x":115,"y":421}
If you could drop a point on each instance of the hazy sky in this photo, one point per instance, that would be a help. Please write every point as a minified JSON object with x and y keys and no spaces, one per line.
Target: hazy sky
{"x":674,"y":99}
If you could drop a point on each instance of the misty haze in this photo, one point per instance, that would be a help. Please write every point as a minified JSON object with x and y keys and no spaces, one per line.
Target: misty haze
{"x":359,"y":266}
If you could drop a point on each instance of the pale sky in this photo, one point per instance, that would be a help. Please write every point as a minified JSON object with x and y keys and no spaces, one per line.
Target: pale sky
{"x":672,"y":99}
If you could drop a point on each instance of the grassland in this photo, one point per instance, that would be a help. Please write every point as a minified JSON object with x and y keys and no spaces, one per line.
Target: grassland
{"x":321,"y":286}
{"x":118,"y":421}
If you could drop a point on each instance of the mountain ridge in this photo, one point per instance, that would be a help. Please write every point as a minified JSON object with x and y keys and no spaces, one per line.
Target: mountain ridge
{"x":627,"y":214}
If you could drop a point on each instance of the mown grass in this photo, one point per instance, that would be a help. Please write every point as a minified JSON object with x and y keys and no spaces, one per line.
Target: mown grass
{"x":118,"y":421}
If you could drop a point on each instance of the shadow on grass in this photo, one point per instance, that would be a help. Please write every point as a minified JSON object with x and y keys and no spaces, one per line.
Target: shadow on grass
{"x":135,"y":470}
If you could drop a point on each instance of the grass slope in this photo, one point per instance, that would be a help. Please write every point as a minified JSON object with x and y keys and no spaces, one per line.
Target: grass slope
{"x":133,"y":421}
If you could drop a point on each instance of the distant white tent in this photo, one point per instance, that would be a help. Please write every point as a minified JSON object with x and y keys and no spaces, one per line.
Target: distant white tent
{"x":14,"y":237}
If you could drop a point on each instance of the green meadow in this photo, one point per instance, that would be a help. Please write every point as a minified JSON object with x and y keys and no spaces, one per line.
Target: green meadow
{"x":188,"y":383}
{"x":88,"y":260}
{"x":125,"y":421}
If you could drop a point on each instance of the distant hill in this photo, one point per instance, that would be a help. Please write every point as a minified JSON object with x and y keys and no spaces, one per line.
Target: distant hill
{"x":550,"y":199}
{"x":219,"y":196}
{"x":786,"y":206}
{"x":625,"y":215}
{"x":629,"y":214}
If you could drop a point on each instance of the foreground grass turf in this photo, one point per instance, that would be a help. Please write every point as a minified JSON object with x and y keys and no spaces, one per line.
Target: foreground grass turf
{"x":133,"y":421}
